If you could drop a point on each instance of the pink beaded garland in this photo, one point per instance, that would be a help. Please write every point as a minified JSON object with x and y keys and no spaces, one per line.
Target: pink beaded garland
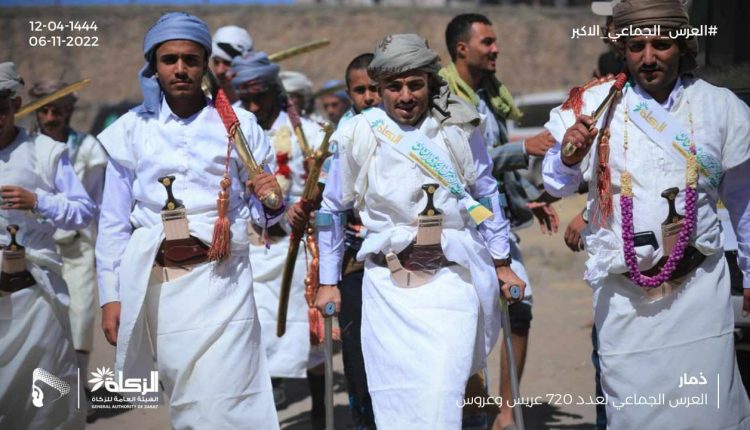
{"x":631,"y":259}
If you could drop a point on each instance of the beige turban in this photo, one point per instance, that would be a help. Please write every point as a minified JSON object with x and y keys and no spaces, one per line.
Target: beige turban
{"x":399,"y":53}
{"x":48,"y":86}
{"x":669,"y":14}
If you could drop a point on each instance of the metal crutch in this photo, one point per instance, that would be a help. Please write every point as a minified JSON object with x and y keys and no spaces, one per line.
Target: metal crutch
{"x":328,"y":312}
{"x":515,"y":294}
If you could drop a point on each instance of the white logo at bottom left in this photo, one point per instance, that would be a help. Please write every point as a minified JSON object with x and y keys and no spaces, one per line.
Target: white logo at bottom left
{"x":37,"y":394}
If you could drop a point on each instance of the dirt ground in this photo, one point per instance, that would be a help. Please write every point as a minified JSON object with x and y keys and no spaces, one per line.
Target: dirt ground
{"x":558,"y":357}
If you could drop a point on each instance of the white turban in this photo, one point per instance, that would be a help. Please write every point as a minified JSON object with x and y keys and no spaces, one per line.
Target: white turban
{"x":296,"y":82}
{"x":231,"y":41}
{"x":9,"y":79}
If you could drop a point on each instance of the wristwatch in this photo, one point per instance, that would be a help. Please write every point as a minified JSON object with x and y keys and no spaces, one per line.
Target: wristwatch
{"x":502,"y":262}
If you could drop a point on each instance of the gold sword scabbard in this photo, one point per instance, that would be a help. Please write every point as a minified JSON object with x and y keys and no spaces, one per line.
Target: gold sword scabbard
{"x":210,"y":86}
{"x":318,"y":156}
{"x":295,"y":118}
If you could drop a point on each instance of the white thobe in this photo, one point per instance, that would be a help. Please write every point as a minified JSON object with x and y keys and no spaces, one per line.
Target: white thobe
{"x":290,"y":355}
{"x":420,"y":344}
{"x":204,"y":324}
{"x":647,"y":344}
{"x":77,"y":247}
{"x":34,"y":324}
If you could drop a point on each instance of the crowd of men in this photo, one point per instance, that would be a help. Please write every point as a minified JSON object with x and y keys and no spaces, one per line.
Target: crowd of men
{"x":414,"y":217}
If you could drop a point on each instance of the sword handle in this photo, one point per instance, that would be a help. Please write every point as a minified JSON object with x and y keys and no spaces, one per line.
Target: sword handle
{"x":211,"y":89}
{"x":568,"y":148}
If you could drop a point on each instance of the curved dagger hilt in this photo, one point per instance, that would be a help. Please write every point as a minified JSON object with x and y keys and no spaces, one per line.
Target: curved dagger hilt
{"x":429,"y":208}
{"x":172,"y":203}
{"x":671,"y":194}
{"x":13,"y":245}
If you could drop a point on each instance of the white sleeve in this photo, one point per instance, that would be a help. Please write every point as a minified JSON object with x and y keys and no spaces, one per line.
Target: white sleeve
{"x":70,"y":207}
{"x":330,"y":222}
{"x":114,"y":230}
{"x":559,"y":180}
{"x":494,"y":230}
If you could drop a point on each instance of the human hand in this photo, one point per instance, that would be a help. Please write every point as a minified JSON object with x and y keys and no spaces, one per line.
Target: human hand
{"x":573,"y":233}
{"x":111,"y":321}
{"x":507,"y":278}
{"x":297,"y":217}
{"x":326,"y":294}
{"x":546,"y":214}
{"x":539,"y":145}
{"x":14,"y":197}
{"x":580,"y":137}
{"x":263,"y":185}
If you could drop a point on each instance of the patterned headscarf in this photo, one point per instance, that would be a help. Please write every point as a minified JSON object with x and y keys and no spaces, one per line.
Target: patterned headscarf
{"x":399,"y":53}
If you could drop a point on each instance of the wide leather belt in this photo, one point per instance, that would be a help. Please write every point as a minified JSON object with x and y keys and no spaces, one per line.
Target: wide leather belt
{"x":274,"y":231}
{"x":182,"y":252}
{"x":690,"y":261}
{"x":12,"y":282}
{"x":418,"y":258}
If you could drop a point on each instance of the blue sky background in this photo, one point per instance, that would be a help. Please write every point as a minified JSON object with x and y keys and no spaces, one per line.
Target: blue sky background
{"x":133,"y":2}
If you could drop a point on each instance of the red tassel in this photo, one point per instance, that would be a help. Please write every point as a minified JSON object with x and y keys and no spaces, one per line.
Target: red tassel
{"x":221,"y":239}
{"x":603,"y":181}
{"x":575,"y":100}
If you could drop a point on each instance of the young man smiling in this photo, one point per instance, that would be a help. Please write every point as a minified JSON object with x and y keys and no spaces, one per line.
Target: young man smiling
{"x":419,"y":342}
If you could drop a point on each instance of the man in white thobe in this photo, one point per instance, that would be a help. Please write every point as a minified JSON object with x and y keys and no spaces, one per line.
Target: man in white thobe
{"x":165,"y":301}
{"x":419,"y":344}
{"x":659,"y":346}
{"x":40,"y":193}
{"x":76,"y":247}
{"x":257,"y":83}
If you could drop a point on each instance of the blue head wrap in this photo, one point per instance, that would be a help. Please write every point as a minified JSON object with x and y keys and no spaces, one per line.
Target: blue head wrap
{"x":335,"y":83}
{"x":254,"y":66}
{"x":170,"y":26}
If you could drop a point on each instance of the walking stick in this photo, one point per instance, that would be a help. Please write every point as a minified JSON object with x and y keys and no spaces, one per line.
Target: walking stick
{"x":329,"y":310}
{"x":515,"y":294}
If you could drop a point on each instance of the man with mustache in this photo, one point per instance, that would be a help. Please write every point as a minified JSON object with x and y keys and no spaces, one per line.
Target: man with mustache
{"x":671,"y":146}
{"x":421,"y":341}
{"x":39,"y":193}
{"x":257,"y":83}
{"x":335,"y":101}
{"x":472,"y":44}
{"x":175,"y":280}
{"x":76,"y":247}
